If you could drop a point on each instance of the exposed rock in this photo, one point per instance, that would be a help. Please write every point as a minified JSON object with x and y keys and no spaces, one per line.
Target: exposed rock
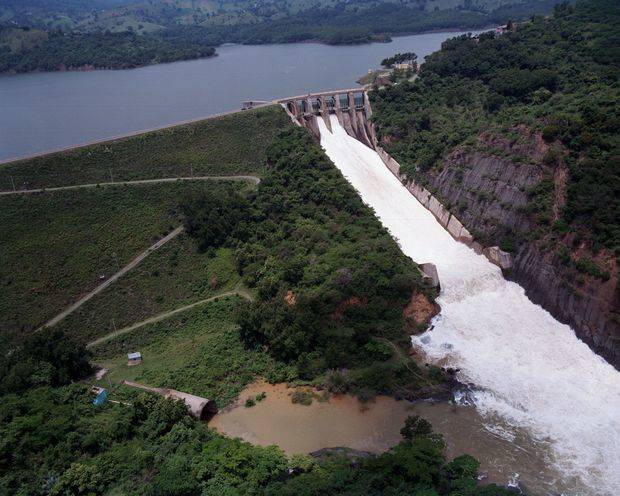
{"x":489,"y":193}
{"x":435,"y":392}
{"x":429,"y":275}
{"x":499,"y":257}
{"x":418,"y":313}
{"x":352,"y":455}
{"x":290,"y":298}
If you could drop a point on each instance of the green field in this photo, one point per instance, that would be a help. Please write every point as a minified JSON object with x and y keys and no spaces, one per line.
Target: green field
{"x":198,"y":352}
{"x":175,"y":275}
{"x":56,"y":246}
{"x":233,"y":144}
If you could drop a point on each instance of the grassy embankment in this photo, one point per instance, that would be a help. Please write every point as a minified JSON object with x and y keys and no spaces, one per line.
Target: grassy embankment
{"x":223,"y":146}
{"x":57,"y":245}
{"x":198,"y":351}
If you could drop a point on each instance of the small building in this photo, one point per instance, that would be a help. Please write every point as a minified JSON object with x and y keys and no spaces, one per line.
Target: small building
{"x":134,"y":358}
{"x":403,"y":66}
{"x":102,"y":396}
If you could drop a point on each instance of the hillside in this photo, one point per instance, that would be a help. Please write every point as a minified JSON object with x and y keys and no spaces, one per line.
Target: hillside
{"x":327,"y":287}
{"x":80,"y":35}
{"x":518,"y":135}
{"x":80,"y":237}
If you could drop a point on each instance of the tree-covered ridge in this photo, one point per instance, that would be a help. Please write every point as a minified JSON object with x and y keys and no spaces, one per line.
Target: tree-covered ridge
{"x":94,"y":15}
{"x":55,"y":442}
{"x":331,"y":282}
{"x":558,"y":76}
{"x":168,"y":30}
{"x":59,"y":51}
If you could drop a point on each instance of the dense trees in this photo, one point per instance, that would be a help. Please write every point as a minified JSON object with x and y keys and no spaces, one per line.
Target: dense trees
{"x":43,"y":358}
{"x":105,"y":50}
{"x":331,"y":282}
{"x":216,"y":217}
{"x":399,"y":58}
{"x":551,"y":75}
{"x":55,"y":442}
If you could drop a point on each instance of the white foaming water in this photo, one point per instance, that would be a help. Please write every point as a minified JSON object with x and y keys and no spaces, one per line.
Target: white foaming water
{"x":532,"y":370}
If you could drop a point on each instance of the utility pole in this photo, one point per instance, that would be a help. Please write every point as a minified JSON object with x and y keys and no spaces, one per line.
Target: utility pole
{"x":13,"y":183}
{"x":111,"y":176}
{"x":191,"y":171}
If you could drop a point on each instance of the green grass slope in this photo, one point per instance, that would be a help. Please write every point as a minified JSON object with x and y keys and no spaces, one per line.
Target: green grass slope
{"x":233,"y":144}
{"x":174,"y":276}
{"x":56,"y":246}
{"x":198,"y":352}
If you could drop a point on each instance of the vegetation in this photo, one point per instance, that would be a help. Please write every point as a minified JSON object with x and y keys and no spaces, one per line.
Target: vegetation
{"x":75,"y":238}
{"x":331,"y":283}
{"x":216,"y":218}
{"x":45,"y":358}
{"x":198,"y":351}
{"x":557,"y":76}
{"x":61,"y":51}
{"x":54,"y":441}
{"x":175,"y":275}
{"x":399,"y":58}
{"x":226,"y":145}
{"x":70,"y":35}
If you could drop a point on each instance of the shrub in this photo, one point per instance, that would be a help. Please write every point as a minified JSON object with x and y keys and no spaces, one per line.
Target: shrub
{"x":302,"y":397}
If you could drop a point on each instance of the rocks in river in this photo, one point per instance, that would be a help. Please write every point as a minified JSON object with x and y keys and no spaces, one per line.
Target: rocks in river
{"x":352,"y":455}
{"x":498,"y":257}
{"x":430,"y":276}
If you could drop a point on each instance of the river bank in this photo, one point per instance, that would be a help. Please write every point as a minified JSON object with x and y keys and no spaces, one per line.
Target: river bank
{"x":507,"y":454}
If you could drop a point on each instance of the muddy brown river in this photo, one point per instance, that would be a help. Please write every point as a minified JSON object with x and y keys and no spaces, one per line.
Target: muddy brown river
{"x":508,"y":456}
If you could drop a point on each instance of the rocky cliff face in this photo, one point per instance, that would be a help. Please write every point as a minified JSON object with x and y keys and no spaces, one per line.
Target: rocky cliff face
{"x":508,"y":192}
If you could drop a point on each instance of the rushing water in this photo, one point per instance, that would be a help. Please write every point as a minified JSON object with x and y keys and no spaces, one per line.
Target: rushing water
{"x":47,"y":111}
{"x":530,"y":370}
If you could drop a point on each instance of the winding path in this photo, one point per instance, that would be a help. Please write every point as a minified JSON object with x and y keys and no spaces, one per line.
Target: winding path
{"x":235,"y":292}
{"x":137,"y":182}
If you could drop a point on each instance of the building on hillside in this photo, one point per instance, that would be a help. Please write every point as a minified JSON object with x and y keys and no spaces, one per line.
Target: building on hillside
{"x":403,"y":66}
{"x":134,"y":358}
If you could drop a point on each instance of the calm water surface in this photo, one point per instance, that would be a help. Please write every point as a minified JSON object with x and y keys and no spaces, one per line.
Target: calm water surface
{"x":47,"y":111}
{"x":508,"y":455}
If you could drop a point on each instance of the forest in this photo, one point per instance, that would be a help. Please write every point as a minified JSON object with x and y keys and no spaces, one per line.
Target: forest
{"x":331,"y":282}
{"x":125,"y":50}
{"x":558,"y":76}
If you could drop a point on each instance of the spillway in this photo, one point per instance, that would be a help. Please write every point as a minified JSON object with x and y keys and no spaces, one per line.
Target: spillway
{"x":530,"y":371}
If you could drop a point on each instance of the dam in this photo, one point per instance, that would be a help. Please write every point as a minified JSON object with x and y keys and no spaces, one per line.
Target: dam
{"x":529,"y":371}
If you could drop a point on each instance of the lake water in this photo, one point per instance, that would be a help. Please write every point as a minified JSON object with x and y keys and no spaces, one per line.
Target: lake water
{"x":48,"y":111}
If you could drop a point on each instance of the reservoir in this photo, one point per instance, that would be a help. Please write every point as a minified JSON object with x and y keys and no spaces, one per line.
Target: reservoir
{"x":531,"y":373}
{"x":47,"y":111}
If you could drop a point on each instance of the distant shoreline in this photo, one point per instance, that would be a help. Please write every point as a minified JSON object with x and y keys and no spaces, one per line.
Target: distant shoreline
{"x":91,"y":68}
